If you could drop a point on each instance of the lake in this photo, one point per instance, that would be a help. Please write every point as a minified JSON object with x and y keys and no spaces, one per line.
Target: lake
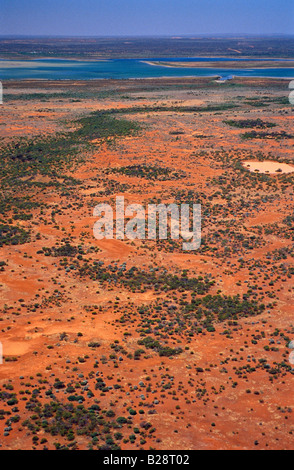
{"x":61,"y":69}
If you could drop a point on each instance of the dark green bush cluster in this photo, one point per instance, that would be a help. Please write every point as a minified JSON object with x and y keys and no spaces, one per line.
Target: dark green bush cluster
{"x":99,"y":125}
{"x":16,"y":204}
{"x":40,"y":150}
{"x":148,"y":172}
{"x":250,"y":123}
{"x":151,"y":343}
{"x":64,"y":250}
{"x":136,"y":279}
{"x":183,"y":109}
{"x":227,"y":307}
{"x":218,"y":308}
{"x":267,"y":135}
{"x":11,"y":235}
{"x":70,"y":420}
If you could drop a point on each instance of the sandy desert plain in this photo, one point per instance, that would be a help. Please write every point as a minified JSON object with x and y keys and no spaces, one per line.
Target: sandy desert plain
{"x":136,"y":344}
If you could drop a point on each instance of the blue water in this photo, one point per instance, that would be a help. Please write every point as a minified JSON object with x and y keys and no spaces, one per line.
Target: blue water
{"x":59,"y":69}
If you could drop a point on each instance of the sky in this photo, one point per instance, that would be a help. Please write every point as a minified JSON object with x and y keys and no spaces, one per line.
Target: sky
{"x":145,"y":17}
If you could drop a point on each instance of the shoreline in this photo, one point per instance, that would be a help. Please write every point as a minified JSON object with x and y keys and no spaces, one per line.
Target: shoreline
{"x":219,"y":64}
{"x":107,"y":59}
{"x":163,"y":77}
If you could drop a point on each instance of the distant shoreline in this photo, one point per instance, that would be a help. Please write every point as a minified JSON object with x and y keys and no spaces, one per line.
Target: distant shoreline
{"x":151,"y":60}
{"x":161,"y":78}
{"x":230,"y":64}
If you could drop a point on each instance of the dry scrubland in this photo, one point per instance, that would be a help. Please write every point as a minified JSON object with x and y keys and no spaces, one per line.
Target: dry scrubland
{"x":111,"y":344}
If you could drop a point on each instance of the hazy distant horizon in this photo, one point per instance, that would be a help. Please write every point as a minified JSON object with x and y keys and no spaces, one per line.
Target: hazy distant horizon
{"x":158,"y":36}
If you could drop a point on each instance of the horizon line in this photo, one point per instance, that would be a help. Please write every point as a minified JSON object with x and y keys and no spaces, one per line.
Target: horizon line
{"x":170,"y":36}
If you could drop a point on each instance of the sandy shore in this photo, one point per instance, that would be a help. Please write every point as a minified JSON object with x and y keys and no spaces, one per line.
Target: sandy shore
{"x":236,"y":64}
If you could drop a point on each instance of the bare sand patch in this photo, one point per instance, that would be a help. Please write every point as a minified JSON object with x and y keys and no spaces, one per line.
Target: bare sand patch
{"x":268,"y":167}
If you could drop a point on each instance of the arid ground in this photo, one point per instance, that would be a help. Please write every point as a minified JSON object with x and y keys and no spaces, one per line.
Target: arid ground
{"x":138,"y":344}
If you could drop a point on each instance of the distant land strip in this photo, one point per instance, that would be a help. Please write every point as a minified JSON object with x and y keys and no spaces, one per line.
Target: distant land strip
{"x":230,"y":64}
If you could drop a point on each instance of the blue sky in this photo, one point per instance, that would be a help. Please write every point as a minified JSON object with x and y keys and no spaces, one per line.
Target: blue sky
{"x":145,"y":17}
